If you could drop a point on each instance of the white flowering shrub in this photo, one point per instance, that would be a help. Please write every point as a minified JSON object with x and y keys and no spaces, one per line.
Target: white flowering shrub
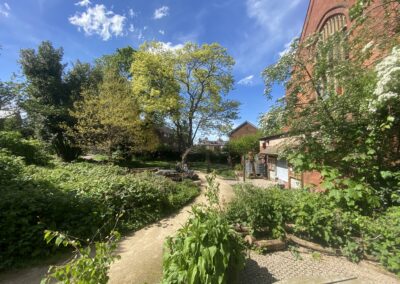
{"x":387,"y":89}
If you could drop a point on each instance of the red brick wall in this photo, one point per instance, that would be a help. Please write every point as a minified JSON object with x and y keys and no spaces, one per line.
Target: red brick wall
{"x":320,"y":10}
{"x":246,"y":129}
{"x":312,"y":178}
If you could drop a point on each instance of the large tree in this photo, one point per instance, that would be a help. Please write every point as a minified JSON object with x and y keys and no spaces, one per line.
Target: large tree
{"x":51,"y":94}
{"x":108,"y":116}
{"x":188,"y":85}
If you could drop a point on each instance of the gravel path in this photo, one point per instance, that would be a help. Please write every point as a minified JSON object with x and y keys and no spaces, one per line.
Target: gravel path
{"x":285,"y":268}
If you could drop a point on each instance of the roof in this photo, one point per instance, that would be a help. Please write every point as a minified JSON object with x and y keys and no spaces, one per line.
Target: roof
{"x":240,"y":126}
{"x":305,"y":24}
{"x":6,"y":113}
{"x":275,"y":136}
{"x":278,"y":148}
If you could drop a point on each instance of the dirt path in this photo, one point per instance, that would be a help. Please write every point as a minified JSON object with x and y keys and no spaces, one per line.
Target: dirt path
{"x":141,"y":252}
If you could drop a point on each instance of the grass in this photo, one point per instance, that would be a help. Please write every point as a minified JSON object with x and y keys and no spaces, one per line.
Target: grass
{"x":222,"y":170}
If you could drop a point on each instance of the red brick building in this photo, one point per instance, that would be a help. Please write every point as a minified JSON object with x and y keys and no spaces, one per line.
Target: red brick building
{"x":244,"y":129}
{"x":325,"y":17}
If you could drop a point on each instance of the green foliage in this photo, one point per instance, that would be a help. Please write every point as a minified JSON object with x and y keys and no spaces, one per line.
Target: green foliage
{"x":108,"y":119}
{"x":78,"y":199}
{"x":31,"y":150}
{"x":87,"y":265}
{"x":381,"y":237}
{"x":342,"y":114}
{"x":243,"y":145}
{"x":10,"y":167}
{"x":319,"y":217}
{"x":261,"y":209}
{"x":206,"y":249}
{"x":188,"y":86}
{"x":49,"y":97}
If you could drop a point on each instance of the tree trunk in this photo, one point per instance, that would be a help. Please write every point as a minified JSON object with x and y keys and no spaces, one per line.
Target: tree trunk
{"x":184,"y":156}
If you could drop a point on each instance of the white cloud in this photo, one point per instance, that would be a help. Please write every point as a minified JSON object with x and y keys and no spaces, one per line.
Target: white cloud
{"x":140,"y":36}
{"x":161,"y":32}
{"x":83,"y":3}
{"x":165,"y":46}
{"x":161,"y":12}
{"x":98,"y":20}
{"x":246,"y":81}
{"x":131,"y":28}
{"x":170,"y":46}
{"x":270,"y":14}
{"x":132,"y":13}
{"x":274,"y":24}
{"x":5,"y":9}
{"x":287,"y":47}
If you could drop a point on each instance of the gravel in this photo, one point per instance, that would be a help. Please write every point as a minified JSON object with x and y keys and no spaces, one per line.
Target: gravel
{"x":284,"y":265}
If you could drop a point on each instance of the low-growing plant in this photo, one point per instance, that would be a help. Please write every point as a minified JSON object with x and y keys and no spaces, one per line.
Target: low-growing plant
{"x":32,"y":151}
{"x":381,"y":238}
{"x":206,"y":249}
{"x":76,"y":198}
{"x":89,"y":264}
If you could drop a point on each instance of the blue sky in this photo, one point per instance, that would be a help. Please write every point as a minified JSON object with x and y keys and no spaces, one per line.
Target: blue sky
{"x":255,"y":32}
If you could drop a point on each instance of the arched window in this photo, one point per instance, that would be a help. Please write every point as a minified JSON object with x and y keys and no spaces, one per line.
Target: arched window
{"x":336,"y":23}
{"x":336,"y":51}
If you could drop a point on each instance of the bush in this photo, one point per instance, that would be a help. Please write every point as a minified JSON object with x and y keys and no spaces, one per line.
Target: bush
{"x":77,"y":199}
{"x":31,"y":150}
{"x":87,"y":265}
{"x":205,"y":250}
{"x":382,"y":238}
{"x":331,"y":219}
{"x":261,"y":209}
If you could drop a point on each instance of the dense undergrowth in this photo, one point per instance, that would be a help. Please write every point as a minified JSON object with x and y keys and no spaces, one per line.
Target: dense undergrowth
{"x":75,"y":198}
{"x":323,"y":218}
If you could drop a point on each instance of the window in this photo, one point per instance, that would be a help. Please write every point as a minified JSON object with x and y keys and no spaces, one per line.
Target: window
{"x":332,"y":26}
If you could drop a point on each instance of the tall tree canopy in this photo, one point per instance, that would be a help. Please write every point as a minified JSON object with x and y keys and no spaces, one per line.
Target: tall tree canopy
{"x":108,"y":118}
{"x":51,"y":93}
{"x":188,"y":85}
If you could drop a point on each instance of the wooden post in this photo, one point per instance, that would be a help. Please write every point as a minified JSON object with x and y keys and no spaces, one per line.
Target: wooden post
{"x":244,"y":167}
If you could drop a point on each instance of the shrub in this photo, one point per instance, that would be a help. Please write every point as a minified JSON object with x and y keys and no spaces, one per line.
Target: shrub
{"x":206,"y":249}
{"x":332,"y":219}
{"x":319,"y":220}
{"x":77,"y":199}
{"x":382,"y":238}
{"x":31,"y":150}
{"x":87,"y":265}
{"x":10,"y":167}
{"x":261,"y":209}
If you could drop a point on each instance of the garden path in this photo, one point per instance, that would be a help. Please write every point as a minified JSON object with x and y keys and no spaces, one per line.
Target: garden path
{"x":141,"y":252}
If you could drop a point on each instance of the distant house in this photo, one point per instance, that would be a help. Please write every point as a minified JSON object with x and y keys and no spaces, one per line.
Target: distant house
{"x":167,"y":137}
{"x":244,"y":129}
{"x":214,"y":146}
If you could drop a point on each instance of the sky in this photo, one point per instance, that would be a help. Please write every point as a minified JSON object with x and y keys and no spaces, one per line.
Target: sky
{"x":255,"y":33}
